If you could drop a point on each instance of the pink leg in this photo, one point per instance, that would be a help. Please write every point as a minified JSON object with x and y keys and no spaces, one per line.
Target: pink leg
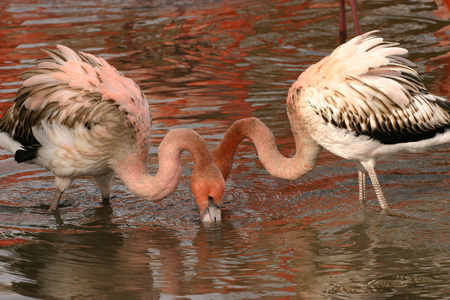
{"x":355,"y":17}
{"x":342,"y":23}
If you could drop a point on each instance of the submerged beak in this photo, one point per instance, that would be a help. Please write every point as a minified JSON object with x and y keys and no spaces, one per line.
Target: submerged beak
{"x":212,"y":214}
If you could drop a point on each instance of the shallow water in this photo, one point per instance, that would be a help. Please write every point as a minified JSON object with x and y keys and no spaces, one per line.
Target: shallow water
{"x":204,"y":64}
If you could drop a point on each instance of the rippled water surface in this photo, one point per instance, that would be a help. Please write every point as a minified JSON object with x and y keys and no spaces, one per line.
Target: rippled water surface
{"x":202,"y":65}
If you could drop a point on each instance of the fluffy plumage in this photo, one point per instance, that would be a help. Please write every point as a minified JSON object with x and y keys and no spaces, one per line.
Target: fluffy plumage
{"x":365,"y":101}
{"x":76,"y":115}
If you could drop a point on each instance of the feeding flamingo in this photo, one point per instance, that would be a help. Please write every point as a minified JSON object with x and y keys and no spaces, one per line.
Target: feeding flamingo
{"x":363,"y":102}
{"x":76,"y":115}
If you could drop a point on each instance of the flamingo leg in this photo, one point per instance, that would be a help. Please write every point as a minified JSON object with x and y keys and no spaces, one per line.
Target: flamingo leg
{"x":377,"y":187}
{"x":55,"y":202}
{"x":362,"y":186}
{"x":342,"y":23}
{"x":62,"y":183}
{"x":356,"y":23}
{"x":104,"y":183}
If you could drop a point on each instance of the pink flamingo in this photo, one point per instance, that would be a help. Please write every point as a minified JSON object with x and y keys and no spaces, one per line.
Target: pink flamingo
{"x":76,"y":115}
{"x":363,"y":102}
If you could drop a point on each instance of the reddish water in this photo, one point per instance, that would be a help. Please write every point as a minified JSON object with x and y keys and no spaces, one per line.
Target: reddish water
{"x":204,"y":64}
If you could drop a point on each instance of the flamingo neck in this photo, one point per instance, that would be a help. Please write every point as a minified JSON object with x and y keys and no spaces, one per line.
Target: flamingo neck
{"x":133,"y":171}
{"x":307,"y":150}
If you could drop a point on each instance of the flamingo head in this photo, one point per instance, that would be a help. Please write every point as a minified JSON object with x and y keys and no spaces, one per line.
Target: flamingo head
{"x":209,"y":190}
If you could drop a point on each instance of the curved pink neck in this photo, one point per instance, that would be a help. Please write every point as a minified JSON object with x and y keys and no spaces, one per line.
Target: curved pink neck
{"x":133,"y":171}
{"x":275,"y":163}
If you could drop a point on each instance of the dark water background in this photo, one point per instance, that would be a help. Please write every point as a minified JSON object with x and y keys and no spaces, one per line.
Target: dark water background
{"x":204,"y":64}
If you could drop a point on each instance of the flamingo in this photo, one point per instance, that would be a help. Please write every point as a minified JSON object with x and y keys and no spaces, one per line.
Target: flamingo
{"x":364,"y":102}
{"x":76,"y":115}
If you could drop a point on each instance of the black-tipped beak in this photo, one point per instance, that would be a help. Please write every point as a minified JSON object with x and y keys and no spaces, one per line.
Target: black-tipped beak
{"x":212,"y":214}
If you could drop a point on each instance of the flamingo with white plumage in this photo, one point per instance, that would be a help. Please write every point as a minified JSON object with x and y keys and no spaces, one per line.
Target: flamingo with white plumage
{"x":76,"y":115}
{"x":364,"y":102}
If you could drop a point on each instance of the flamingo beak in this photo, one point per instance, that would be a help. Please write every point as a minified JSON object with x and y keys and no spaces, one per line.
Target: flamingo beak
{"x":212,"y":214}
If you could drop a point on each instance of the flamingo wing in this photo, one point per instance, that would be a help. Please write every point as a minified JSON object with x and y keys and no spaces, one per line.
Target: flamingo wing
{"x":72,"y":88}
{"x":366,"y":87}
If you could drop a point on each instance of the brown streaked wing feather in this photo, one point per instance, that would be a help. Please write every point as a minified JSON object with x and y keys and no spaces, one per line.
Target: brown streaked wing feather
{"x":56,"y":92}
{"x":19,"y":121}
{"x":423,"y":118}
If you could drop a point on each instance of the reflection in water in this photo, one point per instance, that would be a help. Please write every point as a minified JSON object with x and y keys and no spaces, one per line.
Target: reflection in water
{"x":153,"y":261}
{"x":203,"y":64}
{"x":289,"y":258}
{"x":389,"y":283}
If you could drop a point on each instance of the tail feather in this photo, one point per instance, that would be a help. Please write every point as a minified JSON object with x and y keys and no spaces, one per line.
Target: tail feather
{"x":23,"y":155}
